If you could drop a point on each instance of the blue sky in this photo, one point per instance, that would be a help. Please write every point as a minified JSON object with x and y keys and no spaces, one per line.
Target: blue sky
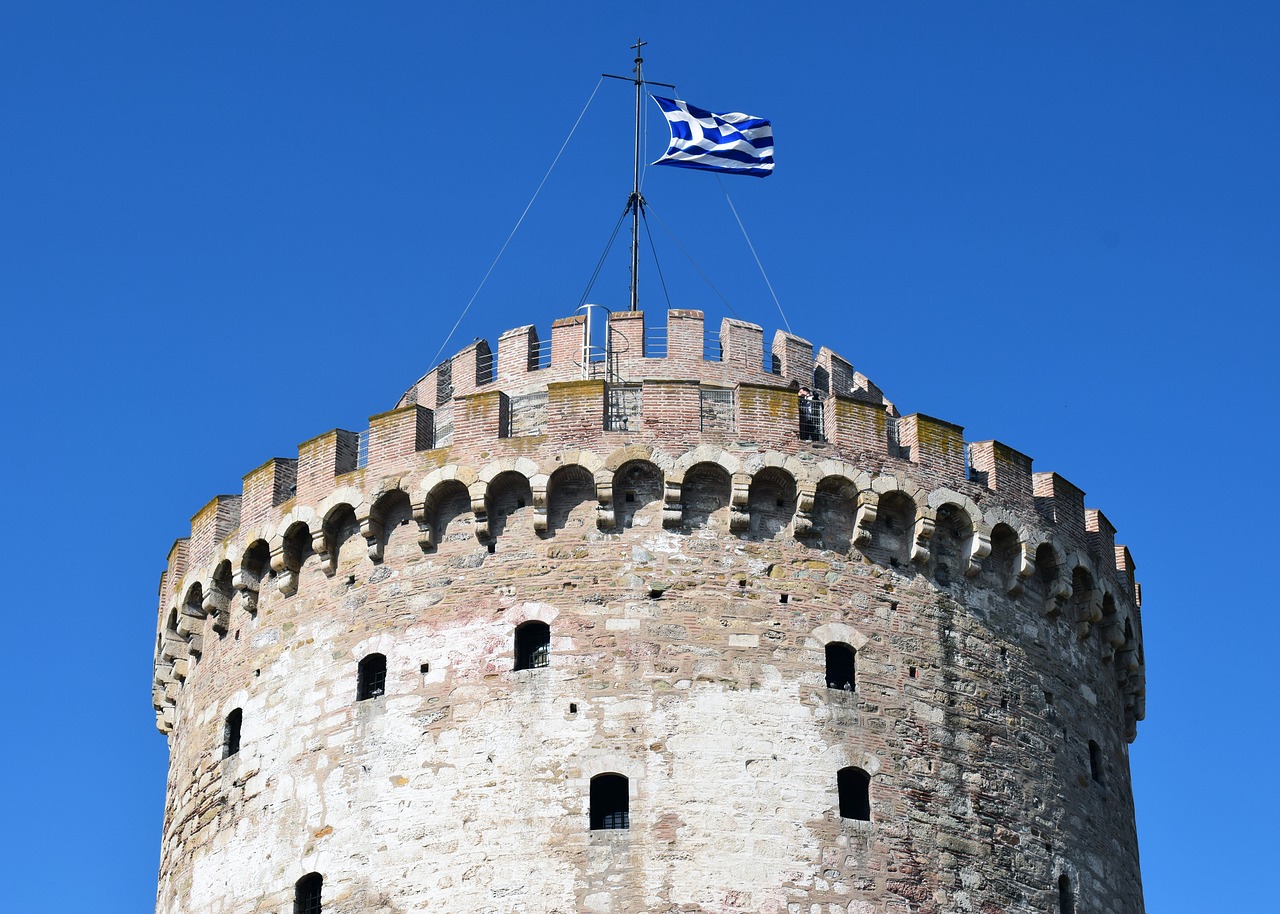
{"x":227,"y":228}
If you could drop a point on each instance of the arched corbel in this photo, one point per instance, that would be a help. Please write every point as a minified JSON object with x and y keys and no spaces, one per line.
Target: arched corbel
{"x":320,"y":546}
{"x":371,"y":529}
{"x":538,"y":492}
{"x":922,"y":532}
{"x":979,"y":549}
{"x":865,"y":518}
{"x":802,"y":523}
{"x":245,"y":585}
{"x":480,"y":509}
{"x":605,"y":517}
{"x":216,"y":604}
{"x":286,"y":577}
{"x":672,"y":508}
{"x":1024,"y":566}
{"x":739,"y":503}
{"x":426,"y":536}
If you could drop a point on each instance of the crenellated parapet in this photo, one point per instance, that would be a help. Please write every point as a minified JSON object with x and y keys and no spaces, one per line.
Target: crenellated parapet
{"x":716,"y":428}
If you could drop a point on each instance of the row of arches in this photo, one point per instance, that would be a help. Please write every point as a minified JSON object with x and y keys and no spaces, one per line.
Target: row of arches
{"x":829,"y":506}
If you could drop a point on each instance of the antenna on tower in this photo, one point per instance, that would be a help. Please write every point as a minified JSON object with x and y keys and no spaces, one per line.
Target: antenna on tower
{"x":636,"y":202}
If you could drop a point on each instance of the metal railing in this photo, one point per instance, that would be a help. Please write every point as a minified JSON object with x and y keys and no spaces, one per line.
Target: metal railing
{"x":362,"y":450}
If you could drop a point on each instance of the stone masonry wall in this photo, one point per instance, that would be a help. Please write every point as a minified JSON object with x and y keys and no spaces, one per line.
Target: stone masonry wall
{"x":692,"y":580}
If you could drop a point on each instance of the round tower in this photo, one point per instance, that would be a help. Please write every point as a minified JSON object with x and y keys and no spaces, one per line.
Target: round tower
{"x":679,"y":623}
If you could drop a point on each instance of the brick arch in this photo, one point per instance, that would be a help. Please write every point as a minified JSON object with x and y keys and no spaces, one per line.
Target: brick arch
{"x":506,"y":493}
{"x":570,"y":499}
{"x":771,"y":502}
{"x":706,"y":493}
{"x":623,"y":455}
{"x":447,"y":502}
{"x":1086,"y":595}
{"x":829,"y":511}
{"x":838,"y":631}
{"x":633,"y":493}
{"x":341,"y":524}
{"x":391,"y":509}
{"x":705,"y":453}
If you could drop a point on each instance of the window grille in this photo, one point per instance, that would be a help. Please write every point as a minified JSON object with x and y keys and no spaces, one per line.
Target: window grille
{"x":306,"y":894}
{"x":717,"y":410}
{"x":891,"y":435}
{"x":810,"y":416}
{"x":372,"y":677}
{"x":362,"y":450}
{"x":533,"y":646}
{"x":622,"y":407}
{"x":609,"y":803}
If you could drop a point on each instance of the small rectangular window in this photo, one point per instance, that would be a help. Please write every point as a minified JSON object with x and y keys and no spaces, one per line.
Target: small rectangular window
{"x":231,"y":733}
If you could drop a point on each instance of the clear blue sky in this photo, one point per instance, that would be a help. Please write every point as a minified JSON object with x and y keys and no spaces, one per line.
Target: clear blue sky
{"x":226,"y":228}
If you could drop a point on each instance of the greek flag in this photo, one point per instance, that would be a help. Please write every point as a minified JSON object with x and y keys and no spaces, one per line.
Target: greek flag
{"x":736,"y":144}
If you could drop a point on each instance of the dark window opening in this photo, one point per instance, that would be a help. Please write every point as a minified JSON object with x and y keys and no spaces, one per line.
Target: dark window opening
{"x":609,"y":809}
{"x":911,"y":671}
{"x":810,"y":416}
{"x":631,"y":498}
{"x":424,"y":669}
{"x":784,"y":598}
{"x":1066,"y":898}
{"x":573,"y":707}
{"x":372,"y":678}
{"x":493,"y":547}
{"x":231,"y":733}
{"x":533,"y":646}
{"x":1095,"y":761}
{"x":854,"y":785}
{"x":841,"y":663}
{"x":306,"y":894}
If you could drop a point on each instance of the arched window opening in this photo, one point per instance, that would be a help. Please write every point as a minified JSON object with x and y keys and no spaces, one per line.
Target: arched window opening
{"x":771,"y":502}
{"x":448,"y":510}
{"x":854,"y":785}
{"x":704,"y":497}
{"x":1066,"y":897}
{"x":637,"y":495}
{"x":508,"y":499}
{"x":306,"y":894}
{"x":1095,"y":761}
{"x":231,"y":733}
{"x":533,"y":646}
{"x":841,"y":660}
{"x":1004,"y":555}
{"x":571,"y":499}
{"x":835,"y":503}
{"x":372,"y":678}
{"x":891,"y":535}
{"x":949,"y":544}
{"x":609,"y":802}
{"x":339,"y":527}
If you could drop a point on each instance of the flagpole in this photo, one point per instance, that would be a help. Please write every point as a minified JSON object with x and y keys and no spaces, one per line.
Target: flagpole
{"x":636,"y":200}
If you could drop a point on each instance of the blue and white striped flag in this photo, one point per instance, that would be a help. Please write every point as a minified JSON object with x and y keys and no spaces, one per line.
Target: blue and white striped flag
{"x":736,"y":144}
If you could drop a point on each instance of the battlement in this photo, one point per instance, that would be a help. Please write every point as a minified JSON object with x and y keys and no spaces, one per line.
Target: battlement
{"x":733,"y":579}
{"x":725,"y":434}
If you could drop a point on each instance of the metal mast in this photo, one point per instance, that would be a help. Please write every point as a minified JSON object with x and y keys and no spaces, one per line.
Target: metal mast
{"x":635,"y":202}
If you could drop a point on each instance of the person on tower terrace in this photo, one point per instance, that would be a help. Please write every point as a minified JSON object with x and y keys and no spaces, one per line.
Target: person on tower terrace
{"x":810,"y":417}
